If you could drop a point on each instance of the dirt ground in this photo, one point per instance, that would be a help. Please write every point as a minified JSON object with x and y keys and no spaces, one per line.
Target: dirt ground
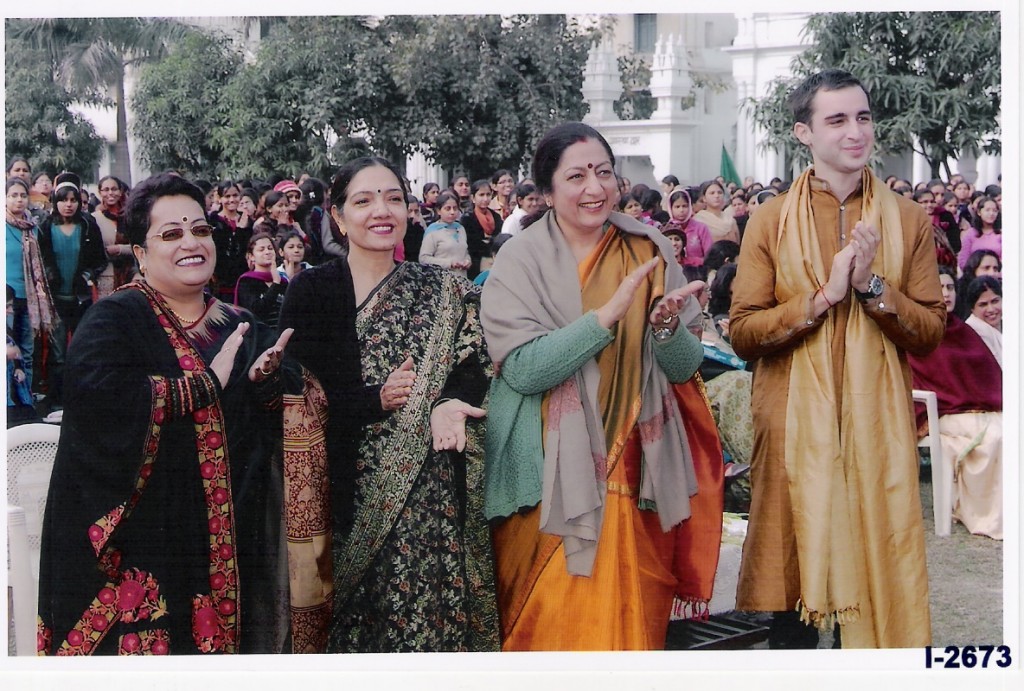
{"x":965,"y":577}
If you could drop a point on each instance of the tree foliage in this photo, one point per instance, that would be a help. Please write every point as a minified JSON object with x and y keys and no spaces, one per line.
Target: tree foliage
{"x":483,"y":89}
{"x":296,"y":106}
{"x":934,"y":80}
{"x":89,"y":57}
{"x":177,"y":104}
{"x":636,"y":101}
{"x":472,"y":93}
{"x":39,"y":124}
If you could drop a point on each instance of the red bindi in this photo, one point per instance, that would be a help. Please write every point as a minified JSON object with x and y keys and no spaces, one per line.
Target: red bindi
{"x":590,"y":165}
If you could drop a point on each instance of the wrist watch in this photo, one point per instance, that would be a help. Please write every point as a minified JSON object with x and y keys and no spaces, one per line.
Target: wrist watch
{"x":664,"y":331}
{"x":875,"y":288}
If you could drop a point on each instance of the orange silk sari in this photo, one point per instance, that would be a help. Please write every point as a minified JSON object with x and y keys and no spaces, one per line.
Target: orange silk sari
{"x":626,"y":603}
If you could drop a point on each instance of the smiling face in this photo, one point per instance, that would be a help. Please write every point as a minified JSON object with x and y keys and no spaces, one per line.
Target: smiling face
{"x":263,"y":254}
{"x":281,"y":210}
{"x":927,"y":202}
{"x":505,"y":186}
{"x":841,"y":133}
{"x":948,"y":291}
{"x":584,"y":190}
{"x":677,"y":245}
{"x":230,"y":200}
{"x":177,"y":267}
{"x":989,"y":308}
{"x":375,"y":213}
{"x":530,"y":202}
{"x":110,"y":193}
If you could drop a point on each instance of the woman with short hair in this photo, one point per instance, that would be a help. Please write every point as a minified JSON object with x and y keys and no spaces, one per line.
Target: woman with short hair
{"x":161,"y":526}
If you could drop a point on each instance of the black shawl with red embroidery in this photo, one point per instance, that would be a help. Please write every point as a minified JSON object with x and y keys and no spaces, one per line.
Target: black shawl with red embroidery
{"x":161,"y":531}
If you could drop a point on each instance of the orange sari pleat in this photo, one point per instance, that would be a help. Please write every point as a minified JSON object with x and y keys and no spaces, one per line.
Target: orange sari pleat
{"x":626,"y":602}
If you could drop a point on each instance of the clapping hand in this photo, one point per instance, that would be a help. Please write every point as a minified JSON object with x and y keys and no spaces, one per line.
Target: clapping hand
{"x":268,"y":362}
{"x":668,"y":307}
{"x":615,"y":309}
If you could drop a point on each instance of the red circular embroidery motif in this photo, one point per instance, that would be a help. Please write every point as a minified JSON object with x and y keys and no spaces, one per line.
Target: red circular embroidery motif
{"x":130,"y":595}
{"x":187,"y":363}
{"x":130,"y":643}
{"x":206,"y":622}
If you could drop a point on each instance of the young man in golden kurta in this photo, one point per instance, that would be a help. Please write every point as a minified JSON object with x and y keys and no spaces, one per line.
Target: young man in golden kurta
{"x":836,"y":282}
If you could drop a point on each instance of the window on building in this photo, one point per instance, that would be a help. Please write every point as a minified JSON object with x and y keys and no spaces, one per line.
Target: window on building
{"x":645,"y":32}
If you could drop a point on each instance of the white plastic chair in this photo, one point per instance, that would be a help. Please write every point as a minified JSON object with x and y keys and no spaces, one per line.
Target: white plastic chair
{"x":31,"y":450}
{"x":21,"y":583}
{"x":942,"y":470}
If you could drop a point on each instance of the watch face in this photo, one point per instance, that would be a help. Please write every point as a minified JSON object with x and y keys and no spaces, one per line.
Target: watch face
{"x":876,"y":286}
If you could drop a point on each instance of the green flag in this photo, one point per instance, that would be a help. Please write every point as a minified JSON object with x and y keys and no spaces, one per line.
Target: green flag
{"x":727,"y":169}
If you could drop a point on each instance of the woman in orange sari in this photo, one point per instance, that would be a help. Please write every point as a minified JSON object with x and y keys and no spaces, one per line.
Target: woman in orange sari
{"x":603,"y":465}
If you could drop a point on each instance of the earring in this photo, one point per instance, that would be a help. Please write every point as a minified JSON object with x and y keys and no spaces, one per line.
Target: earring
{"x":142,"y":269}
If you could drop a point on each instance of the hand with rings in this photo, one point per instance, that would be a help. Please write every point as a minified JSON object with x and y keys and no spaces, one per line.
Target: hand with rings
{"x":268,"y":362}
{"x":667,"y":310}
{"x":448,"y":424}
{"x":398,"y":387}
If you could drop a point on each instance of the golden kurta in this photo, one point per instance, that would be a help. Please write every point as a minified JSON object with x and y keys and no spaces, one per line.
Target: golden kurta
{"x":911,"y":316}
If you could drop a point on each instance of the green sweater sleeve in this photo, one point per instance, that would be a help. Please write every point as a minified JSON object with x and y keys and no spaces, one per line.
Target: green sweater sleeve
{"x":547,"y":361}
{"x":679,"y":356}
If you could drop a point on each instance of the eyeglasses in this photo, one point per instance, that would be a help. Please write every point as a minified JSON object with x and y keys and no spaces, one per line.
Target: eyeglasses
{"x":109,"y":189}
{"x":175,"y":233}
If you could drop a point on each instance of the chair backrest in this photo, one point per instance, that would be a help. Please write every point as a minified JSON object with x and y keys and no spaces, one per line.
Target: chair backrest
{"x":31,"y":450}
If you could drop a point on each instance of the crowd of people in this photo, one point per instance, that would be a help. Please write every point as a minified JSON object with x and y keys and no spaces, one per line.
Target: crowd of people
{"x":469,"y":454}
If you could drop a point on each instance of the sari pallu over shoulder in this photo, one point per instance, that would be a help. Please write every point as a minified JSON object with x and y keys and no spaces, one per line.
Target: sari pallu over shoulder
{"x":417,"y":311}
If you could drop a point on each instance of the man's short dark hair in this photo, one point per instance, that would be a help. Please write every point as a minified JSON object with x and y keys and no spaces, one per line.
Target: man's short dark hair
{"x":800,"y":98}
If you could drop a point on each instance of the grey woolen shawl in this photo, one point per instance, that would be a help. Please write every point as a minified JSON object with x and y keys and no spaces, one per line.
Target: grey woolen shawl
{"x":532,"y":290}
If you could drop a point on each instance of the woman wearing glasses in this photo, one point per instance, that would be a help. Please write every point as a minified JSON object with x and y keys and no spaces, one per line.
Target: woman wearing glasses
{"x":161,"y":526}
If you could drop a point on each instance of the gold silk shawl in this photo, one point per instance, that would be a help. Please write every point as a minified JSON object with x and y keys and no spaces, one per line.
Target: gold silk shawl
{"x":835,"y":447}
